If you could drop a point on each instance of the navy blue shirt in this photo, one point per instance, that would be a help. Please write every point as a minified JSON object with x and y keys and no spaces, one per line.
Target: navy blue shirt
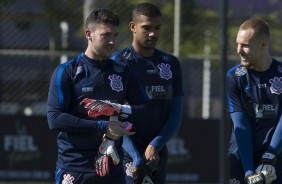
{"x":258,"y":95}
{"x":80,"y":136}
{"x":161,"y":77}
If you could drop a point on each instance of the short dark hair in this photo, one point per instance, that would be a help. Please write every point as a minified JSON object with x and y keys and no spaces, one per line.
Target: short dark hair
{"x":259,"y":26}
{"x":101,"y":16}
{"x":147,"y":9}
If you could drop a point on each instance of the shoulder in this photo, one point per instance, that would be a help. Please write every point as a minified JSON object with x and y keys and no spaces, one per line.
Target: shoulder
{"x":123,"y":55}
{"x":166,"y":56}
{"x":237,"y":70}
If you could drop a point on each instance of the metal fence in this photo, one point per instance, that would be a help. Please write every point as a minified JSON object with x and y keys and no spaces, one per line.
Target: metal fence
{"x":36,"y":35}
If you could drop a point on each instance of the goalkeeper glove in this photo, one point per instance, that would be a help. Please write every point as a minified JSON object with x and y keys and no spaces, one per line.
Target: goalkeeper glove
{"x":107,"y":149}
{"x":267,"y":166}
{"x":97,"y":108}
{"x":144,"y":174}
{"x":257,"y":178}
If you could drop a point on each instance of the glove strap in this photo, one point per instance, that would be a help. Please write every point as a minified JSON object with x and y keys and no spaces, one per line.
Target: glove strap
{"x":269,"y":157}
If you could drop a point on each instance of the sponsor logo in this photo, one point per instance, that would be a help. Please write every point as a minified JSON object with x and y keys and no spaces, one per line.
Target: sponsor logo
{"x":116,"y":83}
{"x":276,"y":85}
{"x":79,"y":69}
{"x":165,"y":72}
{"x":279,"y":69}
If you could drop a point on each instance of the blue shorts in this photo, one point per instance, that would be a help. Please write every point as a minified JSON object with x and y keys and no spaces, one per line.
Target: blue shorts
{"x":116,"y":176}
{"x":237,"y":173}
{"x":159,"y":178}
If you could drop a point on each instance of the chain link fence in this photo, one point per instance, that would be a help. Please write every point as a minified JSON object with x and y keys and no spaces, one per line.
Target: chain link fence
{"x":37,"y":35}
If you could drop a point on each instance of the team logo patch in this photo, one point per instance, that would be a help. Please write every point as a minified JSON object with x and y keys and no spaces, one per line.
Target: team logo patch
{"x":165,"y":71}
{"x":234,"y":181}
{"x":116,"y":83}
{"x":129,"y":169}
{"x":276,"y":85}
{"x":240,"y":71}
{"x":67,"y":179}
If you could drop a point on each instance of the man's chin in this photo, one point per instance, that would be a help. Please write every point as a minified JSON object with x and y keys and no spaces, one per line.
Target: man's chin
{"x":245,"y":64}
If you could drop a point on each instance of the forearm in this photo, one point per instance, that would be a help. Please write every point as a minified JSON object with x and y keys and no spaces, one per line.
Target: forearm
{"x":59,"y":121}
{"x":170,"y":126}
{"x":276,"y":141}
{"x":243,"y":133}
{"x":130,"y":148}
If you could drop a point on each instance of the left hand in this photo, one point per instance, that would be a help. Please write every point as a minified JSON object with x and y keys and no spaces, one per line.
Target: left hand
{"x":151,"y":155}
{"x":267,"y":167}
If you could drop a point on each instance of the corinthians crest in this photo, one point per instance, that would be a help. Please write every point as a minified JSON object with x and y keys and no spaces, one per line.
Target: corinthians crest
{"x":116,"y":83}
{"x":276,"y":85}
{"x":165,"y":71}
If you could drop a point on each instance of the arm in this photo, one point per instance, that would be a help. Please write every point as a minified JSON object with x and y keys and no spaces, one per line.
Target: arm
{"x":276,"y":141}
{"x":130,"y":148}
{"x":170,"y":126}
{"x":243,"y":133}
{"x":59,"y":107}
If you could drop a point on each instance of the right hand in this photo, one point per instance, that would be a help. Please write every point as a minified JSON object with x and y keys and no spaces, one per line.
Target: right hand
{"x":151,"y":155}
{"x":116,"y":129}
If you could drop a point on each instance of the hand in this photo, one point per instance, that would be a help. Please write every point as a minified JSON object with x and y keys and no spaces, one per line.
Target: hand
{"x":107,"y":149}
{"x":117,"y":129}
{"x":151,"y":155}
{"x":97,"y":108}
{"x":257,"y":178}
{"x":144,"y":174}
{"x":267,"y":167}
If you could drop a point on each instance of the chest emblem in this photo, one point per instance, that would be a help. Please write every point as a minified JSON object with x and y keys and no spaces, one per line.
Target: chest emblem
{"x":276,"y":85}
{"x":240,"y":71}
{"x":116,"y":83}
{"x":165,"y":71}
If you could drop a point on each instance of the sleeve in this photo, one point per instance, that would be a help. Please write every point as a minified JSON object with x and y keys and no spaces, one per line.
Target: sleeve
{"x":170,"y":126}
{"x":276,"y":141}
{"x":241,"y":123}
{"x":243,"y":134}
{"x":58,"y":105}
{"x":130,"y":148}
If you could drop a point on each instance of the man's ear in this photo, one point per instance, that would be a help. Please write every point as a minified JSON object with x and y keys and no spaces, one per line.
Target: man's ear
{"x":88,"y":34}
{"x":132,"y":26}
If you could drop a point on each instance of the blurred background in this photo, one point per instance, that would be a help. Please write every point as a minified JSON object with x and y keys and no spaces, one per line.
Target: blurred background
{"x":38,"y":35}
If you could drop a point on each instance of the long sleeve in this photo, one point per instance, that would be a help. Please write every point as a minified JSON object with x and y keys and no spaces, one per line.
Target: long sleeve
{"x":243,"y":133}
{"x":171,"y":125}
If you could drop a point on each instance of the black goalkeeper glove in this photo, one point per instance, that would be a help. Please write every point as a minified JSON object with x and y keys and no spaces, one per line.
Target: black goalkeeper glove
{"x":145,"y":174}
{"x":257,"y":178}
{"x":267,"y":166}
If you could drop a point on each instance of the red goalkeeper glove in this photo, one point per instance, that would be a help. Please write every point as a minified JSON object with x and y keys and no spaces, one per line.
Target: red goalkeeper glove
{"x":97,"y":108}
{"x":106,"y":150}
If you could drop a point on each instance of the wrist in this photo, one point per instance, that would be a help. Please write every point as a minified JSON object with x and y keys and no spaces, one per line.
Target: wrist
{"x":269,"y":157}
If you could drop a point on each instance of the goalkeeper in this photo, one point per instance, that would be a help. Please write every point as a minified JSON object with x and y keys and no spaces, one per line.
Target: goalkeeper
{"x":254,"y":94}
{"x":89,"y":144}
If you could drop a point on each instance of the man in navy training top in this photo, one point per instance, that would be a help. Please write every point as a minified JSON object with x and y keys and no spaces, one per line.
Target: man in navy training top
{"x":254,"y":95}
{"x":160,"y":75}
{"x":74,"y":85}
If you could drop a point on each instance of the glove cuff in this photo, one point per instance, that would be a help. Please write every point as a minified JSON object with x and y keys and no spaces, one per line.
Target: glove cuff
{"x":255,"y":178}
{"x":269,"y":157}
{"x":125,"y":111}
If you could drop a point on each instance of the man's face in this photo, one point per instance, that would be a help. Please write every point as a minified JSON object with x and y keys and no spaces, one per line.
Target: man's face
{"x":146,"y":31}
{"x":249,"y":47}
{"x":103,"y":40}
